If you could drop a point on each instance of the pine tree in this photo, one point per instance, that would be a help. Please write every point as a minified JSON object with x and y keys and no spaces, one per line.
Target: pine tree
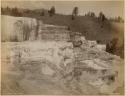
{"x":52,"y":11}
{"x":102,"y":16}
{"x":74,"y":13}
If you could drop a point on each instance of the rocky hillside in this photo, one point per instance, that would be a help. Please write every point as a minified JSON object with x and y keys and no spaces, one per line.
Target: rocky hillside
{"x":24,"y":29}
{"x":90,"y":27}
{"x":51,"y":64}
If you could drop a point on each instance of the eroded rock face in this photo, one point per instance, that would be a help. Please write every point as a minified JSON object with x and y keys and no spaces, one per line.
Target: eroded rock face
{"x":19,"y":28}
{"x":63,"y":67}
{"x":53,"y":63}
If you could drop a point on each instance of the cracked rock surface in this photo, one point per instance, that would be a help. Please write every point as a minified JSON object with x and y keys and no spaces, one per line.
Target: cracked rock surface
{"x":58,"y":68}
{"x":51,"y":65}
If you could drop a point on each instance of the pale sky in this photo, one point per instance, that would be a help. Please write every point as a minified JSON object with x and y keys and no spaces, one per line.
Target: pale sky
{"x":109,"y":8}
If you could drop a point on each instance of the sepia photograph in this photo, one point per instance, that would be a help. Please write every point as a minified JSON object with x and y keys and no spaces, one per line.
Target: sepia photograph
{"x":62,"y":47}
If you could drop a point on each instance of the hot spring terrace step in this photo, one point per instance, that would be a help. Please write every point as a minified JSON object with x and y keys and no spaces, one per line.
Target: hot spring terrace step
{"x":54,"y":27}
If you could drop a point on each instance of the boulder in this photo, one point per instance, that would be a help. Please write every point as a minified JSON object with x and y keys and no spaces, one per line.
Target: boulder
{"x":101,"y":47}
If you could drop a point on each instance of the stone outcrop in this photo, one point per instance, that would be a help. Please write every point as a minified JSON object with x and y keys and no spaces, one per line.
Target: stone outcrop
{"x":19,"y":28}
{"x":24,"y":29}
{"x":54,"y":32}
{"x":53,"y":63}
{"x":67,"y":68}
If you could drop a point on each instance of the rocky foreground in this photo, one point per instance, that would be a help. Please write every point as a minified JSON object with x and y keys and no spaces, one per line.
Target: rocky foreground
{"x":53,"y":65}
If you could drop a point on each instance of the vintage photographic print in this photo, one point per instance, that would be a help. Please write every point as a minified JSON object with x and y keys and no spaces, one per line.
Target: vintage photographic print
{"x":62,"y":47}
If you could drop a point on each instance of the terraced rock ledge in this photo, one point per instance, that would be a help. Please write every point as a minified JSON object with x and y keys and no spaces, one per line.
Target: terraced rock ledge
{"x":52,"y":64}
